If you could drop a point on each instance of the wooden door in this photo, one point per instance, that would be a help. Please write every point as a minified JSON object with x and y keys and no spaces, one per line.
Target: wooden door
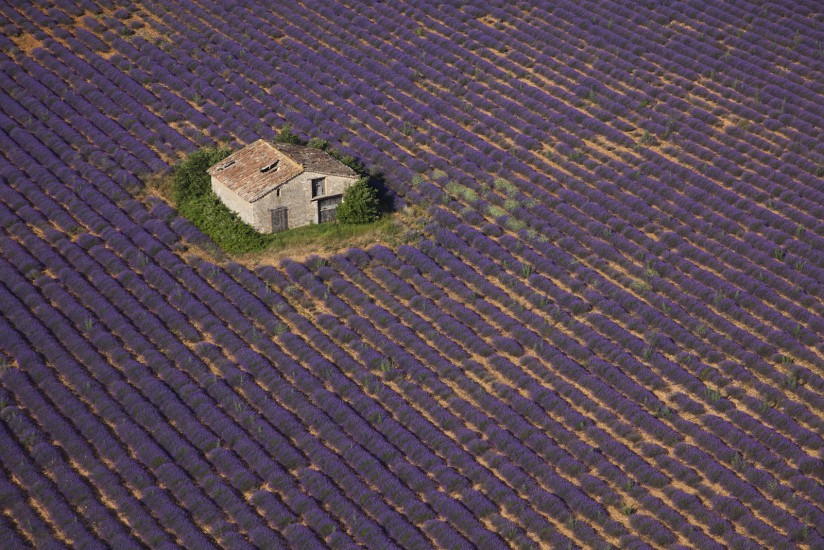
{"x":280,"y":219}
{"x":327,"y":209}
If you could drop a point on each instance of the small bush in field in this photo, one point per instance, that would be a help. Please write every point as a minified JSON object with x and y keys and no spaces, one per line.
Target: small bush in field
{"x":360,"y":203}
{"x":193,"y":196}
{"x":189,"y":179}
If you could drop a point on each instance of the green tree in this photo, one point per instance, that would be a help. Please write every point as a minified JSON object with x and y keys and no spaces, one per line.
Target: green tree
{"x":318,"y":143}
{"x":194,"y":198}
{"x":286,"y":135}
{"x":360,"y":203}
{"x":189,"y":179}
{"x":224,"y":227}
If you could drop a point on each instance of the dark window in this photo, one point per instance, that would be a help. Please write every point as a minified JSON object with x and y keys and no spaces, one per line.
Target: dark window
{"x":318,"y":187}
{"x":270,"y":166}
{"x":225,"y":165}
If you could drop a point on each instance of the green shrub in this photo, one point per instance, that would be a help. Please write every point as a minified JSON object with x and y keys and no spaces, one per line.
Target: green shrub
{"x":360,"y":203}
{"x":286,"y":135}
{"x":222,"y":225}
{"x":318,"y":143}
{"x":189,"y":179}
{"x":193,"y":196}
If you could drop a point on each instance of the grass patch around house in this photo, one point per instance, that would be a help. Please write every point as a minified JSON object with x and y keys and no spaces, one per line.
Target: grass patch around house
{"x":328,"y":233}
{"x":391,"y":229}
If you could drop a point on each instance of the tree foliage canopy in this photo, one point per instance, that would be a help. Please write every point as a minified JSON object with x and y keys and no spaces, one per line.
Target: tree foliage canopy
{"x":189,"y":179}
{"x":286,"y":135}
{"x":360,"y":203}
{"x":193,"y":196}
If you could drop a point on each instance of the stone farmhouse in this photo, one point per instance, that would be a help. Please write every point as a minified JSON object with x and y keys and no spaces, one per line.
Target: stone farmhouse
{"x":277,"y":186}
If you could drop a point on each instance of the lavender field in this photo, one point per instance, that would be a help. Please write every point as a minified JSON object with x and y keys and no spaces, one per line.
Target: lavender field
{"x":609,"y":333}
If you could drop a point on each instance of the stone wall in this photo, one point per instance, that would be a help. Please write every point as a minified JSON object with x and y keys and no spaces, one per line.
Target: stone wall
{"x":296,"y":195}
{"x":243,"y":208}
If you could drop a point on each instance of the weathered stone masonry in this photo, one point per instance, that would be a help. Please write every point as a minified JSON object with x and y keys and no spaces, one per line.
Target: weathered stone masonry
{"x":263,"y":178}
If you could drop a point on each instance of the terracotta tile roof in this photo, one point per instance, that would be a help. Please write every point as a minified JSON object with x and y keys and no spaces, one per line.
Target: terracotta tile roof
{"x":255,"y":170}
{"x":261,"y":166}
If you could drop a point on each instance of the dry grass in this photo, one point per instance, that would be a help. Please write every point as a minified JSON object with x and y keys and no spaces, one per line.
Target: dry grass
{"x":26,"y":42}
